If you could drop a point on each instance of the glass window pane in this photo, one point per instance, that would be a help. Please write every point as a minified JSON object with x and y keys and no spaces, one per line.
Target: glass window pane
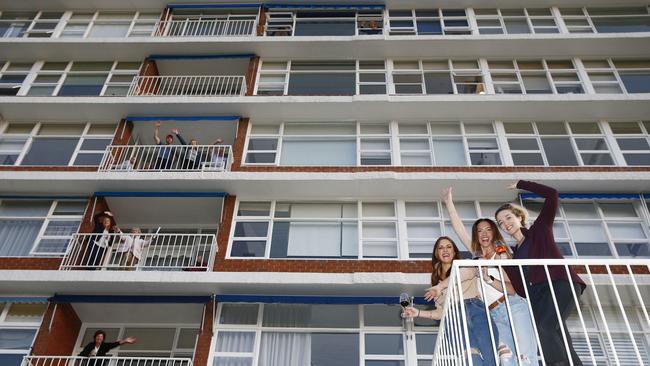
{"x":82,"y":85}
{"x":618,"y":210}
{"x":251,"y":229}
{"x":262,"y":144}
{"x":636,"y":81}
{"x":50,"y":151}
{"x":425,"y":343}
{"x":187,"y":338}
{"x":536,"y":84}
{"x":380,"y":209}
{"x":235,"y":341}
{"x":633,"y":249}
{"x":421,"y":209}
{"x":382,"y":315}
{"x":254,"y":209}
{"x":449,"y":152}
{"x":232,"y":361}
{"x":384,"y":344}
{"x":322,"y":349}
{"x":321,"y":152}
{"x":11,"y":359}
{"x":159,"y":339}
{"x":109,"y":30}
{"x":587,"y":232}
{"x":95,"y":144}
{"x":438,"y":83}
{"x":248,"y":248}
{"x":559,"y":151}
{"x":61,"y":228}
{"x":310,"y":316}
{"x":26,"y":312}
{"x":61,"y":129}
{"x":580,"y":210}
{"x":633,"y":144}
{"x":626,"y":231}
{"x":322,"y":84}
{"x":16,"y":339}
{"x":238,"y":314}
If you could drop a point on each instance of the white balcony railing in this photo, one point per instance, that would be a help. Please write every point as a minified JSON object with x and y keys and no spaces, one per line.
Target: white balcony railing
{"x":205,"y":28}
{"x":159,"y":252}
{"x":607,"y":328}
{"x":103,"y":361}
{"x":159,"y":158}
{"x":188,"y":85}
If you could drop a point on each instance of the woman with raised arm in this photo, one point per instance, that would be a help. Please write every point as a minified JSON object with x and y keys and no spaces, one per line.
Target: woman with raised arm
{"x":444,"y":253}
{"x":538,"y":242}
{"x":486,"y":242}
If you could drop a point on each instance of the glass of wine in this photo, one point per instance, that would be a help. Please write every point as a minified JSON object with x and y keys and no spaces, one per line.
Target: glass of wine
{"x":404,"y":301}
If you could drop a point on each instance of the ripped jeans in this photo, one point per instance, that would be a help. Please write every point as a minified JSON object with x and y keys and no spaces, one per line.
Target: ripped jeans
{"x":480,"y":342}
{"x":524,"y":331}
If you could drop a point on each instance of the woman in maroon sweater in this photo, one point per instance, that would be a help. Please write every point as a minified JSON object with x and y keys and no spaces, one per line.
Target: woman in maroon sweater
{"x":538,"y":242}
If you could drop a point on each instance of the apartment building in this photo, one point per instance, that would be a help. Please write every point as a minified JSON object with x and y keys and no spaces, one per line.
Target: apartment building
{"x":283,"y":162}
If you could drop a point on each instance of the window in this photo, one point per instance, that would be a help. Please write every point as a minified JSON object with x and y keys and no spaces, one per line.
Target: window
{"x":633,"y":140}
{"x":323,"y":22}
{"x":12,"y":76}
{"x":19,"y":323}
{"x":599,"y":229}
{"x":535,"y":77}
{"x":635,"y":75}
{"x":38,"y":227}
{"x":346,"y":230}
{"x":557,"y":143}
{"x":448,"y":144}
{"x":84,"y":78}
{"x":46,"y":144}
{"x":438,"y":77}
{"x":28,"y":24}
{"x":618,"y":76}
{"x":603,"y":76}
{"x":515,"y":21}
{"x":428,"y":22}
{"x":606,"y":20}
{"x":254,"y":334}
{"x":110,"y":24}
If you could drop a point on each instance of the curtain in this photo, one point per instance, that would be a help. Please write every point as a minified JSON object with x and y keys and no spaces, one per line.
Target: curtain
{"x":17,"y":237}
{"x":285,"y":349}
{"x":319,"y":152}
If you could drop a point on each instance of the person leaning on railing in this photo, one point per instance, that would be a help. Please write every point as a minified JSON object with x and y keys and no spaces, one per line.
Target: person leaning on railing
{"x":444,"y":253}
{"x":101,"y":239}
{"x":99,"y":348}
{"x":483,"y":243}
{"x":538,"y":242}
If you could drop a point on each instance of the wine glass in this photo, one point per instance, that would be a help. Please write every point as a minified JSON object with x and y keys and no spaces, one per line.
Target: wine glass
{"x":404,"y":301}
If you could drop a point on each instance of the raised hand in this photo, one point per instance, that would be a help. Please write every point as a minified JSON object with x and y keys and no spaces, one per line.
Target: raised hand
{"x":175,"y":131}
{"x":157,"y":124}
{"x":446,"y":194}
{"x":512,"y":187}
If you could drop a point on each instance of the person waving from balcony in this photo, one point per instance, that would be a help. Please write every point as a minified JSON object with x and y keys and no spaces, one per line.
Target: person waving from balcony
{"x":101,"y":239}
{"x":486,"y":242}
{"x":166,"y":153}
{"x":99,"y":348}
{"x":444,"y":253}
{"x":538,"y":242}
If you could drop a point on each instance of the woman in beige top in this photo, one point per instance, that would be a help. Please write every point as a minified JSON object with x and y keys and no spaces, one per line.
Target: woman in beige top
{"x":444,"y":253}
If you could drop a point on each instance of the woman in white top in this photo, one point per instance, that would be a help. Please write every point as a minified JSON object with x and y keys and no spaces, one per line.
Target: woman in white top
{"x":132,"y":246}
{"x":483,"y":242}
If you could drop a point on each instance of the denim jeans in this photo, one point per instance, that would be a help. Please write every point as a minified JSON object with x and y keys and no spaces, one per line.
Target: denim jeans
{"x":479,"y":333}
{"x":524,"y":331}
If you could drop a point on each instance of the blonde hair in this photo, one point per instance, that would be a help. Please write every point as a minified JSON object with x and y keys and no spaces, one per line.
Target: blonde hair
{"x":517,"y":210}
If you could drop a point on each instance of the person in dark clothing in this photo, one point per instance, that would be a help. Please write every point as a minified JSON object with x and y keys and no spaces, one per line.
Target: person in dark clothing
{"x":193,"y":155}
{"x":165,"y":159}
{"x":99,"y":243}
{"x":99,"y":348}
{"x":537,"y":242}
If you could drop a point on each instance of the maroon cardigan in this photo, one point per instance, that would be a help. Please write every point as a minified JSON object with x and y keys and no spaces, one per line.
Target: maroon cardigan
{"x":541,"y":242}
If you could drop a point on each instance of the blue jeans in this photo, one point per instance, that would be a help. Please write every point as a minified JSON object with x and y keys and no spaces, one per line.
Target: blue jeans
{"x":479,"y":333}
{"x":524,"y":331}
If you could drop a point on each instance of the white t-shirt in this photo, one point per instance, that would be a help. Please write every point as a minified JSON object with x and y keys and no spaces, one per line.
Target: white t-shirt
{"x":492,"y":294}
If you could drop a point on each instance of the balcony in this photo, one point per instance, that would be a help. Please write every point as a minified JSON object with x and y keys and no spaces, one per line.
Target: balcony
{"x":210,"y":27}
{"x":188,"y":85}
{"x":184,"y":158}
{"x":607,"y":327}
{"x":160,"y":252}
{"x":104,"y":361}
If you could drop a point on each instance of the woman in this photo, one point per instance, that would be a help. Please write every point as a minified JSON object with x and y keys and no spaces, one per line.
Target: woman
{"x":482,"y":242}
{"x":97,"y":348}
{"x":98,"y":243}
{"x":538,"y":242}
{"x":444,"y":253}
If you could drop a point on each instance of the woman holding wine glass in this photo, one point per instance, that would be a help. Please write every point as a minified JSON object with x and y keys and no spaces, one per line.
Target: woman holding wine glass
{"x":444,"y":253}
{"x":486,"y":242}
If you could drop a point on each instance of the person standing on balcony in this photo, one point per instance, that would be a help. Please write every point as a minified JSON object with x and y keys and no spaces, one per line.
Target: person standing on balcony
{"x":444,"y":253}
{"x":99,"y":348}
{"x":193,"y":157}
{"x":166,"y":153}
{"x":538,"y":242}
{"x":100,"y":240}
{"x":483,"y":243}
{"x":131,"y":248}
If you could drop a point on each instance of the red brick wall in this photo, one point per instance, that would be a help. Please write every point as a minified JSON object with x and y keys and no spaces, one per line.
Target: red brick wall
{"x":238,"y":145}
{"x":251,"y":74}
{"x":123,"y":133}
{"x":149,"y":68}
{"x":202,"y":351}
{"x":30,"y":263}
{"x":262,"y":22}
{"x":60,"y":339}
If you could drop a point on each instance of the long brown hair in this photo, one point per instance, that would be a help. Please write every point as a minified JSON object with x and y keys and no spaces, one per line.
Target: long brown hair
{"x":436,"y":264}
{"x":497,"y":237}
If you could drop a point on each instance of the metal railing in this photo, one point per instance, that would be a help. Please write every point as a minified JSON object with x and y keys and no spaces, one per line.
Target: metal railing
{"x":605,"y":327}
{"x":188,"y":85}
{"x":104,"y":361}
{"x":146,"y":252}
{"x":159,"y":158}
{"x":205,"y":28}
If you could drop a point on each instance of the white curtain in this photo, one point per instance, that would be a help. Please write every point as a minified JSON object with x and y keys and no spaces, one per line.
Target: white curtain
{"x":319,"y":152}
{"x":17,"y":237}
{"x":285,"y":349}
{"x":322,"y":239}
